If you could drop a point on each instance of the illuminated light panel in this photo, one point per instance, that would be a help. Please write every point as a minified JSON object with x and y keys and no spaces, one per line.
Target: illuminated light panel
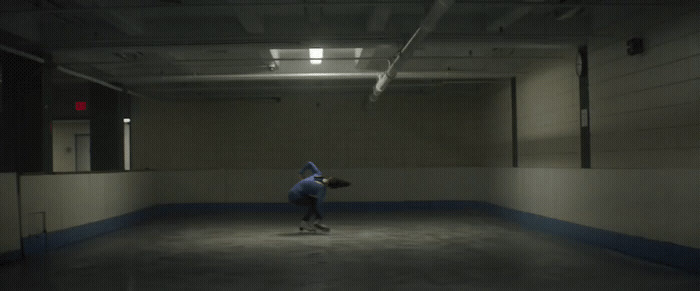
{"x":316,"y":55}
{"x":275,"y":53}
{"x":358,"y":54}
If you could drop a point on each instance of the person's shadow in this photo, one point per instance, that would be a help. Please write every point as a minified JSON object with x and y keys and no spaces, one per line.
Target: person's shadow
{"x":303,"y":233}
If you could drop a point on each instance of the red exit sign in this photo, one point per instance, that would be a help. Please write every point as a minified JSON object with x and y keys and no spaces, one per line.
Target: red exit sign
{"x":80,"y":106}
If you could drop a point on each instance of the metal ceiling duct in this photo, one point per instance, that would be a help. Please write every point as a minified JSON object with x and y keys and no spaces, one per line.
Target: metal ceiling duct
{"x":443,"y":75}
{"x":68,"y":71}
{"x":427,"y":25}
{"x":246,"y":77}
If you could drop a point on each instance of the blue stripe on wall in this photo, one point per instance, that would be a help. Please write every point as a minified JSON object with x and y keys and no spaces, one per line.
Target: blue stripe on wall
{"x":197,"y":208}
{"x":666,"y":253}
{"x":38,"y":244}
{"x":682,"y":257}
{"x":399,"y":206}
{"x":328,"y":206}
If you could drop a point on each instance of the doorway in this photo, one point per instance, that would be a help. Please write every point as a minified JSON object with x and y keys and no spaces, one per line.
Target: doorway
{"x":71,"y":145}
{"x":82,"y":153}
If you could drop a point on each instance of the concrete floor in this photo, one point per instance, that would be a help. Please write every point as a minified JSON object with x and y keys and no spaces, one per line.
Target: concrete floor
{"x":398,"y":250}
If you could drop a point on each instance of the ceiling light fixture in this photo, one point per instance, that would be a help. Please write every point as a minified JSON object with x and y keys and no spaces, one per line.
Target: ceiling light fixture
{"x":316,"y":55}
{"x":275,"y":56}
{"x":358,"y":54}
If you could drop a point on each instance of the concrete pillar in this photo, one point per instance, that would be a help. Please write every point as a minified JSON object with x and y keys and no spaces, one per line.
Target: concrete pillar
{"x":21,"y":116}
{"x":106,"y":129}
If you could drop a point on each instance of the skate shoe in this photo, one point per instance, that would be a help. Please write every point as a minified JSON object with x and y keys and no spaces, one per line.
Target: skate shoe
{"x":305,"y":225}
{"x":318,"y":225}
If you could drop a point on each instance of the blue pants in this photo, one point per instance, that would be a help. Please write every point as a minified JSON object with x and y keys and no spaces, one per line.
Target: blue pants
{"x":311,"y":203}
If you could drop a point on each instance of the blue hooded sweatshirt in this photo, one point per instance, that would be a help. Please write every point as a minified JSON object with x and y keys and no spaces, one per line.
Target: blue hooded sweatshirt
{"x":311,"y":186}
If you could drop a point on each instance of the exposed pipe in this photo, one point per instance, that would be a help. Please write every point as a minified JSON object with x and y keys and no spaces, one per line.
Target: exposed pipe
{"x":254,"y":4}
{"x":314,"y":76}
{"x":571,"y":13}
{"x":91,"y":79}
{"x":248,"y":77}
{"x":384,"y":59}
{"x":22,"y":54}
{"x":427,"y":25}
{"x":68,"y":71}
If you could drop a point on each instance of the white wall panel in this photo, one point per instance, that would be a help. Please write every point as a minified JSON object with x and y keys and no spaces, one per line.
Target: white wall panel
{"x":664,"y":27}
{"x":668,"y":23}
{"x":63,"y":143}
{"x":655,"y":204}
{"x":493,"y":140}
{"x":75,"y":199}
{"x":432,"y":128}
{"x":645,"y":109}
{"x":272,"y":186}
{"x":548,"y":115}
{"x":642,"y":159}
{"x":9,"y":214}
{"x":82,"y":201}
{"x":650,"y":139}
{"x":683,"y":93}
{"x":42,"y":194}
{"x":681,"y":70}
{"x":655,"y":55}
{"x":665,"y":117}
{"x":550,"y":160}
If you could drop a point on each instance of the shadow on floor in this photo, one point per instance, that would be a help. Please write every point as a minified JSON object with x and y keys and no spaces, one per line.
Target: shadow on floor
{"x":300,"y":233}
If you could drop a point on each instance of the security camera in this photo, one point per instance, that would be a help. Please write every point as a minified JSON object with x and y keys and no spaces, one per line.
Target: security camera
{"x":272,"y":66}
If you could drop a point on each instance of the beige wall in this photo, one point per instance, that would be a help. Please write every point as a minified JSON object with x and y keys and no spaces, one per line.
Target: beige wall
{"x":75,"y":199}
{"x":645,"y":113}
{"x":63,"y":135}
{"x":9,"y":214}
{"x":645,"y":109}
{"x":655,"y":204}
{"x":494,"y":147}
{"x":272,"y":185}
{"x":413,"y":147}
{"x":436,"y":128}
{"x":548,"y":114}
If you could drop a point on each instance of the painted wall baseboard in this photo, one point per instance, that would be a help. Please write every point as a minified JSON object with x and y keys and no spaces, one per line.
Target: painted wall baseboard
{"x":195,"y":208}
{"x":682,"y":257}
{"x":666,"y":253}
{"x":40,"y":243}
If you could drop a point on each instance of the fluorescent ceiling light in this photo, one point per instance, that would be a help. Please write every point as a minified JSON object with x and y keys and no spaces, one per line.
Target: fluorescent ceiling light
{"x":275,"y":55}
{"x":316,"y":55}
{"x":127,"y":120}
{"x":358,"y":54}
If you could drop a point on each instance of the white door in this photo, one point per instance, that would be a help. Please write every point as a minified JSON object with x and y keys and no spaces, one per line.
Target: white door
{"x":82,"y":152}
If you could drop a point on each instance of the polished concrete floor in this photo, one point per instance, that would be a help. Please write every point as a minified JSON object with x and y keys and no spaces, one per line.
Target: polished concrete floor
{"x":396,"y":250}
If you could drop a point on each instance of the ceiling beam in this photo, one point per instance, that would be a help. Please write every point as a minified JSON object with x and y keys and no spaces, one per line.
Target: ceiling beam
{"x":131,"y":25}
{"x":312,"y":76}
{"x":313,"y":13}
{"x":272,"y":5}
{"x":269,"y":59}
{"x":379,"y":18}
{"x":251,"y":21}
{"x":509,"y":18}
{"x":128,"y":23}
{"x":68,"y":71}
